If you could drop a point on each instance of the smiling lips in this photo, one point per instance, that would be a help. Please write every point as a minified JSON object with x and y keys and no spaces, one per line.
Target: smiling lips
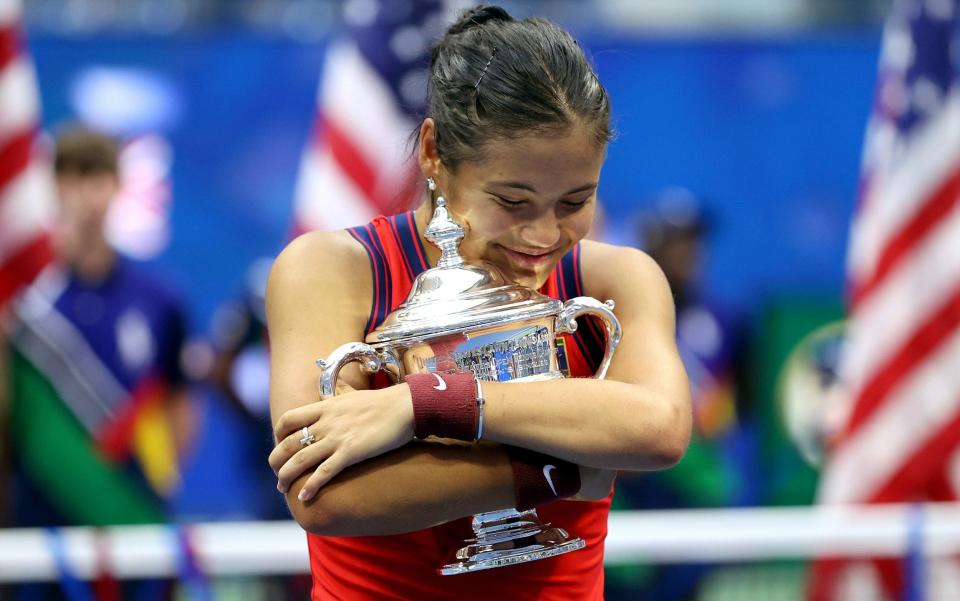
{"x":530,"y":260}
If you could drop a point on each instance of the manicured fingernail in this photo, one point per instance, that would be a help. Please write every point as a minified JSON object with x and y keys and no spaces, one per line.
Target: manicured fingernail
{"x":304,"y":495}
{"x":280,"y":487}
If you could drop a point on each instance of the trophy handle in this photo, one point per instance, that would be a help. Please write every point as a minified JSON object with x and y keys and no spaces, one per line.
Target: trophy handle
{"x":585,"y":305}
{"x":369,"y":359}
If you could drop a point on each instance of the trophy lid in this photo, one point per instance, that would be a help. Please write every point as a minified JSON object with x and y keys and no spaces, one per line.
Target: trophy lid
{"x":456,"y":296}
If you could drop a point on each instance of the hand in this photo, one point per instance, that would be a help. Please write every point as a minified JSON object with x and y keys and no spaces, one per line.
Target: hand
{"x":347,"y":429}
{"x":595,"y":483}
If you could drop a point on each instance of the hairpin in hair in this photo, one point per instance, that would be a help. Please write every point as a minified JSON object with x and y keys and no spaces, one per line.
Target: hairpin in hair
{"x":485,"y":67}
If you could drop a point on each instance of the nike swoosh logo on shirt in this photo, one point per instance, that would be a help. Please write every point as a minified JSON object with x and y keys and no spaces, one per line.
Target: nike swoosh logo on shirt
{"x":546,"y":474}
{"x":441,"y":384}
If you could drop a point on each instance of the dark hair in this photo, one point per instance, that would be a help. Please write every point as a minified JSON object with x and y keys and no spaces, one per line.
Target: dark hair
{"x":492,"y":76}
{"x":83,"y":151}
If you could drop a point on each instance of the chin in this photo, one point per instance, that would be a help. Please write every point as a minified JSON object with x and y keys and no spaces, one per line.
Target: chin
{"x":526,"y":279}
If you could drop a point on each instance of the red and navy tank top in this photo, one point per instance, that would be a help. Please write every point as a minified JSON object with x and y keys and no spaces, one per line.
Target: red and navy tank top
{"x":402,"y":567}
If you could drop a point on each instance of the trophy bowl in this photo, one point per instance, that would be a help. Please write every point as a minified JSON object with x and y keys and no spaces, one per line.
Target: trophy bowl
{"x":462,"y":317}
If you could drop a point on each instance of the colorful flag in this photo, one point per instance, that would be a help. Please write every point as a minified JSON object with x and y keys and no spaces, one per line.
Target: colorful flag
{"x":898,"y":440}
{"x":358,"y":161}
{"x":99,"y":388}
{"x":26,"y":195}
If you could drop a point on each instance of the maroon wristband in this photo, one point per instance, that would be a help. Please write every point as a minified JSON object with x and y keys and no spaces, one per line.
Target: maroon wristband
{"x":539,"y":479}
{"x":444,"y":405}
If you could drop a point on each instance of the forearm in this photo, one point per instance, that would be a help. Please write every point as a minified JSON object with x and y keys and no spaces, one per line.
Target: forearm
{"x":603,"y":424}
{"x":415,"y":487}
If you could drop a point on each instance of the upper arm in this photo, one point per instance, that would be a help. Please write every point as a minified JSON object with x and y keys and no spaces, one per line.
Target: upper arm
{"x":647,"y":354}
{"x":318,"y":297}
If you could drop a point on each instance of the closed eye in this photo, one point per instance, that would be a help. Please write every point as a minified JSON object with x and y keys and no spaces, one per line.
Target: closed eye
{"x":576,"y":204}
{"x":509,"y":202}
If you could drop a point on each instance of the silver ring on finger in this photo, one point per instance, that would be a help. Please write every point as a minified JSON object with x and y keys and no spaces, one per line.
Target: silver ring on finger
{"x":307,"y":439}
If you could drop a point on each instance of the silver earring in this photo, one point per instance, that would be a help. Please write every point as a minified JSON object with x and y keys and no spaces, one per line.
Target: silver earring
{"x":431,"y":185}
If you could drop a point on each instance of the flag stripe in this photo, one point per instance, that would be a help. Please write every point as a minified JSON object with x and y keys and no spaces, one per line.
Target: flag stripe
{"x":353,"y":93}
{"x":915,"y":471}
{"x":891,"y":192}
{"x":9,"y":44}
{"x":15,"y":157}
{"x":25,"y":209}
{"x":24,"y":265}
{"x":18,"y":97}
{"x":326,"y":197}
{"x":25,"y":206}
{"x":899,"y":306}
{"x":9,"y":12}
{"x":361,"y":140}
{"x":350,"y":159}
{"x":946,"y":198}
{"x":914,"y":351}
{"x":858,"y":465}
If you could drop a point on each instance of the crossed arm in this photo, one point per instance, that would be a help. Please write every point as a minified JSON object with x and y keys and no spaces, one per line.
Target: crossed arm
{"x":364,"y":476}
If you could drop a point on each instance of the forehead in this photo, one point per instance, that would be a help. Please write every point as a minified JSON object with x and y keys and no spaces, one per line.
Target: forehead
{"x":547,"y":161}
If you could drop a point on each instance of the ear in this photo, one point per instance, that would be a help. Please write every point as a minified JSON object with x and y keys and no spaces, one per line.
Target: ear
{"x":427,"y":154}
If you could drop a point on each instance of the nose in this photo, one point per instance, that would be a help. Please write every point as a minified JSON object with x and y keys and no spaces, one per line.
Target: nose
{"x":542,"y":232}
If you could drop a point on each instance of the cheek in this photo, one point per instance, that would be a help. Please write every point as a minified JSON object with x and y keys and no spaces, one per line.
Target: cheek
{"x":578,"y":224}
{"x":484,"y":227}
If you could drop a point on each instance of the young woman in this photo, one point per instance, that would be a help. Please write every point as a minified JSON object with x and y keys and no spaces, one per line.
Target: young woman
{"x":514,"y":141}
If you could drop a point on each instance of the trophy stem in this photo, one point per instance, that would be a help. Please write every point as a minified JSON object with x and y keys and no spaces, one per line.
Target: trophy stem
{"x":508,"y":537}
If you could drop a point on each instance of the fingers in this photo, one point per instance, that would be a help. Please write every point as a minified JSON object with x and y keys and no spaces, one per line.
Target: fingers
{"x":290,"y":446}
{"x":325,"y":472}
{"x":301,"y":462}
{"x":295,"y":419}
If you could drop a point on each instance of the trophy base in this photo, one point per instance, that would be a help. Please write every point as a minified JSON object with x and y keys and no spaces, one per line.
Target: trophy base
{"x":544,"y":542}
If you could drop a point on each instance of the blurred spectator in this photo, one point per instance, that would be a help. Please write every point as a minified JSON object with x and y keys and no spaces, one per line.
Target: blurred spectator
{"x":715,"y":470}
{"x":98,"y":414}
{"x":241,"y":375}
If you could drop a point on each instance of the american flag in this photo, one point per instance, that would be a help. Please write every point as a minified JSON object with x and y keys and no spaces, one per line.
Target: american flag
{"x":372,"y":92}
{"x":26,"y":200}
{"x":899,"y":438}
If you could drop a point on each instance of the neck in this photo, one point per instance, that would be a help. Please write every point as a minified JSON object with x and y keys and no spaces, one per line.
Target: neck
{"x":91,"y":261}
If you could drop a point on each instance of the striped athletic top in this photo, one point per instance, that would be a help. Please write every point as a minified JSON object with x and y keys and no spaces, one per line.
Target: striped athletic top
{"x":403,"y":567}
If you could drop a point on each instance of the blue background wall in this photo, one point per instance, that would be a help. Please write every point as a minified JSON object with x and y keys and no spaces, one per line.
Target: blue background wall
{"x":767,"y":130}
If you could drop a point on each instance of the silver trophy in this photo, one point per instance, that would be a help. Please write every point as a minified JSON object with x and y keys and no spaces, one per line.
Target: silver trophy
{"x":466,"y":316}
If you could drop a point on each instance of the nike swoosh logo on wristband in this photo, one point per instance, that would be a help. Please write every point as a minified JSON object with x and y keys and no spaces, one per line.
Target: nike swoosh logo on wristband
{"x":546,"y":474}
{"x":441,"y":383}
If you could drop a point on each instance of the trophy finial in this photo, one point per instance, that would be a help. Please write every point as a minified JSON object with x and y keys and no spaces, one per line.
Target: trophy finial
{"x":445,"y":234}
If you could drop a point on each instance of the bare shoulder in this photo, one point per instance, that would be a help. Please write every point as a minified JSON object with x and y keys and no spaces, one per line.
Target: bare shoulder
{"x":325,"y":272}
{"x":608,"y":268}
{"x":627,"y":275}
{"x":321,"y":252}
{"x":318,"y":297}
